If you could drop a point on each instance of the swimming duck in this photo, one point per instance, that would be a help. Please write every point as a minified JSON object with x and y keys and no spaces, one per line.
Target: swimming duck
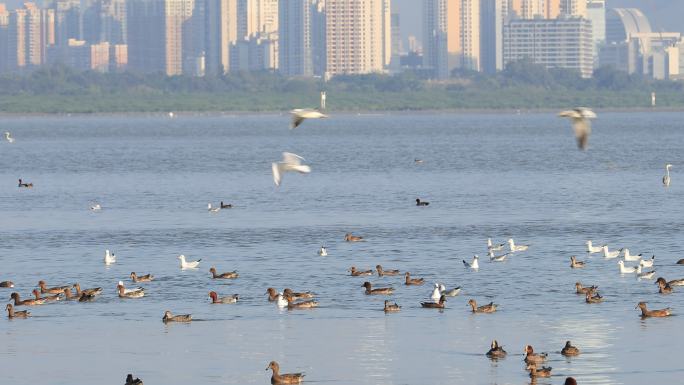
{"x":49,"y":298}
{"x":629,"y":257}
{"x":352,"y":238}
{"x":391,"y":307}
{"x":591,"y":249}
{"x":141,"y":278}
{"x":570,"y":381}
{"x":27,"y":302}
{"x":488,"y":308}
{"x":283,"y":379}
{"x":664,"y":287}
{"x":301,"y":295}
{"x":675,"y":282}
{"x":575,"y":264}
{"x":226,"y":206}
{"x":272,"y":294}
{"x":435,"y":305}
{"x":492,"y":247}
{"x":168,"y":317}
{"x":188,"y":265}
{"x":11,"y":313}
{"x":534,"y":372}
{"x":579,"y":289}
{"x":610,"y":254}
{"x":496,"y":258}
{"x":323,"y":251}
{"x":626,"y":270}
{"x":291,"y":304}
{"x":653,"y":313}
{"x":133,"y":381}
{"x":6,"y":284}
{"x":53,"y":290}
{"x":496,"y":351}
{"x":413,"y":281}
{"x":593,"y":297}
{"x":381,"y":290}
{"x":382,"y":272}
{"x":281,"y":301}
{"x":68,"y":296}
{"x":130,"y":293}
{"x":418,"y":161}
{"x":680,"y":262}
{"x":472,"y":265}
{"x":230,"y":275}
{"x":25,"y":185}
{"x":569,"y":350}
{"x":647,"y":262}
{"x":216,"y":299}
{"x":86,"y":297}
{"x":533,"y":358}
{"x":109,"y":258}
{"x":514,"y":247}
{"x":94,"y":291}
{"x":359,"y":273}
{"x":421,"y":203}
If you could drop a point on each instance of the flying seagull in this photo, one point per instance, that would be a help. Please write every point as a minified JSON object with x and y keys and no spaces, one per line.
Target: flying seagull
{"x":290,"y":162}
{"x":581,"y":123}
{"x":301,"y":114}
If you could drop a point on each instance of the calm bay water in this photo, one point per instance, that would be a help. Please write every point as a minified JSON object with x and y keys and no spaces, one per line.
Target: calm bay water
{"x":496,"y":176}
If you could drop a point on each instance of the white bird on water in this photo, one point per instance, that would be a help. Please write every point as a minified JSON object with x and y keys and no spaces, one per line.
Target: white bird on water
{"x":626,"y":270}
{"x":515,"y":247}
{"x":591,"y":249}
{"x":581,"y":123}
{"x":647,"y":262}
{"x":666,"y":178}
{"x":497,"y":258}
{"x":9,"y":137}
{"x":290,"y":162}
{"x":610,"y":254}
{"x":630,"y":257}
{"x":109,"y":258}
{"x":213,"y":209}
{"x":323,"y":251}
{"x":299,"y":115}
{"x":436,"y":292}
{"x":644,"y":274}
{"x":188,"y":265}
{"x":281,"y":301}
{"x":491,"y":246}
{"x":472,"y":265}
{"x":96,"y":207}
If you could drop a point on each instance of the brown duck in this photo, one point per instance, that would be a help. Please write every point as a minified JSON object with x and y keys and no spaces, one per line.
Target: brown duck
{"x":645,"y":313}
{"x":413,"y":281}
{"x":569,"y":350}
{"x":6,"y":284}
{"x":488,"y":308}
{"x":92,"y":291}
{"x":663,"y":286}
{"x":382,"y":272}
{"x":534,"y":372}
{"x":48,"y":298}
{"x":496,"y":351}
{"x":53,"y":290}
{"x":27,"y":302}
{"x":593,"y":297}
{"x":291,"y":304}
{"x":533,"y":358}
{"x":11,"y":313}
{"x":168,"y":317}
{"x":380,"y":290}
{"x":575,"y":264}
{"x":283,"y":379}
{"x":579,"y":289}
{"x":141,"y":278}
{"x":352,"y":238}
{"x":435,"y":305}
{"x":215,"y":299}
{"x":359,"y":273}
{"x":301,"y":295}
{"x":391,"y":307}
{"x":229,"y":275}
{"x":68,"y":296}
{"x":272,"y":294}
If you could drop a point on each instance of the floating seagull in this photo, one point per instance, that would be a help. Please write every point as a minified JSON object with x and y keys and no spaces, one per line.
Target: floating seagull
{"x":644,"y":274}
{"x":581,"y":124}
{"x":188,"y":265}
{"x":497,"y":258}
{"x":491,"y":246}
{"x":629,"y":257}
{"x":626,"y":270}
{"x":213,"y":209}
{"x":301,"y":114}
{"x":647,"y":262}
{"x":591,"y":249}
{"x":436,"y":293}
{"x":323,"y":251}
{"x":515,"y":247}
{"x":418,"y":161}
{"x":96,"y":207}
{"x":610,"y":254}
{"x":9,"y":137}
{"x":449,"y":293}
{"x":666,"y":178}
{"x":472,"y":265}
{"x":109,"y":258}
{"x":290,"y":162}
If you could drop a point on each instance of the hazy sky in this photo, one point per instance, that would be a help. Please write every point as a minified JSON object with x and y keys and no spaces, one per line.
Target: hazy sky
{"x":667,"y":15}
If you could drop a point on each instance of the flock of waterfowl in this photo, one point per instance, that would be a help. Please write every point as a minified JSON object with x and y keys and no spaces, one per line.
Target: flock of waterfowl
{"x":437,"y":298}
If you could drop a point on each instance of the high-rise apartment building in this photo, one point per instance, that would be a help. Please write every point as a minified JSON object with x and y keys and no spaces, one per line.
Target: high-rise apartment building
{"x":575,"y":8}
{"x":531,"y":9}
{"x":559,"y":43}
{"x":30,"y":32}
{"x":257,"y":18}
{"x":596,"y":12}
{"x":470,"y":34}
{"x":146,"y":35}
{"x":221,"y":32}
{"x":493,"y":15}
{"x":4,"y":38}
{"x":295,"y":44}
{"x":355,"y":35}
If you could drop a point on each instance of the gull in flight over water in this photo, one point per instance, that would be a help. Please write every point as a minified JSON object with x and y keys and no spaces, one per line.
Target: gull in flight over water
{"x":290,"y":162}
{"x":299,"y":115}
{"x":581,"y":124}
{"x":9,"y":137}
{"x":666,"y":178}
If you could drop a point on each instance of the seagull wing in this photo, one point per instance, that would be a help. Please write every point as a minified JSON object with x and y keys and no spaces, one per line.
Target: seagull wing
{"x":276,"y":173}
{"x":296,"y":121}
{"x":292,"y":159}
